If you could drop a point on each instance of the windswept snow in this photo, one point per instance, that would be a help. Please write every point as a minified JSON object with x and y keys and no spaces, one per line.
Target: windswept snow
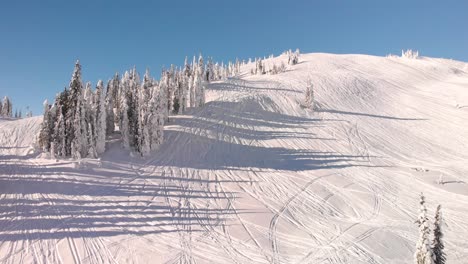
{"x":252,"y":177}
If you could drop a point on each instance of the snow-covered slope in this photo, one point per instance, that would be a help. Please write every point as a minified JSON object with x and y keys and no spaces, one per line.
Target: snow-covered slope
{"x":252,"y":177}
{"x":17,"y":137}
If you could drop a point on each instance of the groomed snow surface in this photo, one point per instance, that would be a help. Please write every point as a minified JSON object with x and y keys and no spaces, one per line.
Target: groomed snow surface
{"x":252,"y":177}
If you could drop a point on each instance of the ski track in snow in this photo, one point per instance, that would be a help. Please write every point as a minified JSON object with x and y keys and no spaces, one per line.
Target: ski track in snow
{"x":252,"y":177}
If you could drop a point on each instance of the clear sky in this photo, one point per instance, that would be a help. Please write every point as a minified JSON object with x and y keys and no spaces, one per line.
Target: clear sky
{"x":41,"y":40}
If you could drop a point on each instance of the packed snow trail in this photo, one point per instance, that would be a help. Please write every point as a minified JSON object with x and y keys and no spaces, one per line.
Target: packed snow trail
{"x":252,"y":177}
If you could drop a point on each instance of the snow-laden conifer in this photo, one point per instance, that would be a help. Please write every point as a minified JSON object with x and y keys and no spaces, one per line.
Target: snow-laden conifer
{"x":72,"y":108}
{"x":45,"y":135}
{"x":59,"y":137}
{"x":124,"y":129}
{"x":92,"y":142}
{"x":155,"y":119}
{"x":293,"y":57}
{"x":109,"y":105}
{"x":187,"y":68}
{"x":88,"y":95}
{"x":7,"y":107}
{"x":143,"y":95}
{"x":114,"y":101}
{"x":191,"y":91}
{"x":309,"y":95}
{"x":197,"y":86}
{"x":77,"y":138}
{"x":101,"y":115}
{"x":163,"y":88}
{"x":423,"y":254}
{"x":437,"y":242}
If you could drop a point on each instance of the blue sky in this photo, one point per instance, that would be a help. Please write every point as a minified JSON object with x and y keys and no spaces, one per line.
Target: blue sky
{"x":41,"y":40}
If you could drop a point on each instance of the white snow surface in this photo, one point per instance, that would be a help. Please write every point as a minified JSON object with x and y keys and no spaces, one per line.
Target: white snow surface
{"x":252,"y":177}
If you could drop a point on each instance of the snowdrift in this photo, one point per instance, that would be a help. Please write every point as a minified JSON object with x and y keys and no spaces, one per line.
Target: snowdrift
{"x":17,"y":136}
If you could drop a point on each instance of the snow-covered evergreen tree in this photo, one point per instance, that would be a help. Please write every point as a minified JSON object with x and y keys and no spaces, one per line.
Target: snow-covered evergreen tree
{"x":437,"y":242}
{"x":133,"y":107}
{"x":73,"y":112}
{"x":147,"y":81}
{"x":88,"y":126}
{"x":423,"y":254}
{"x":124,"y":128}
{"x":309,"y":95}
{"x":202,"y":93}
{"x":92,"y":142}
{"x":191,"y":91}
{"x":76,"y":84}
{"x":237,"y":67}
{"x":145,"y":145}
{"x":184,"y":94}
{"x":114,"y":102}
{"x":143,"y":111}
{"x":7,"y":107}
{"x":201,"y":66}
{"x":259,"y":66}
{"x":209,"y":73}
{"x":163,"y":88}
{"x":197,"y":88}
{"x":45,"y":135}
{"x":77,"y":142}
{"x":179,"y":104}
{"x":88,"y":113}
{"x":171,"y":88}
{"x":59,"y":142}
{"x":155,"y":119}
{"x":293,"y":57}
{"x":101,"y":115}
{"x":109,"y":105}
{"x":88,"y":95}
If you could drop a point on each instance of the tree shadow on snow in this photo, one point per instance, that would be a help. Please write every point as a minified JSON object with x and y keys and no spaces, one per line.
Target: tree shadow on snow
{"x":370,"y":115}
{"x":228,"y":135}
{"x":42,"y":203}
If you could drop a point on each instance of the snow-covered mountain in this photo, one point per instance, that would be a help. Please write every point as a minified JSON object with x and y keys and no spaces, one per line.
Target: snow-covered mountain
{"x":253,"y":177}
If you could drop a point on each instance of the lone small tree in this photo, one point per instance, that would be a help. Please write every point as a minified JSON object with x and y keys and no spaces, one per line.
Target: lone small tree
{"x":437,"y":243}
{"x":309,"y":95}
{"x":423,"y":254}
{"x":7,"y":107}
